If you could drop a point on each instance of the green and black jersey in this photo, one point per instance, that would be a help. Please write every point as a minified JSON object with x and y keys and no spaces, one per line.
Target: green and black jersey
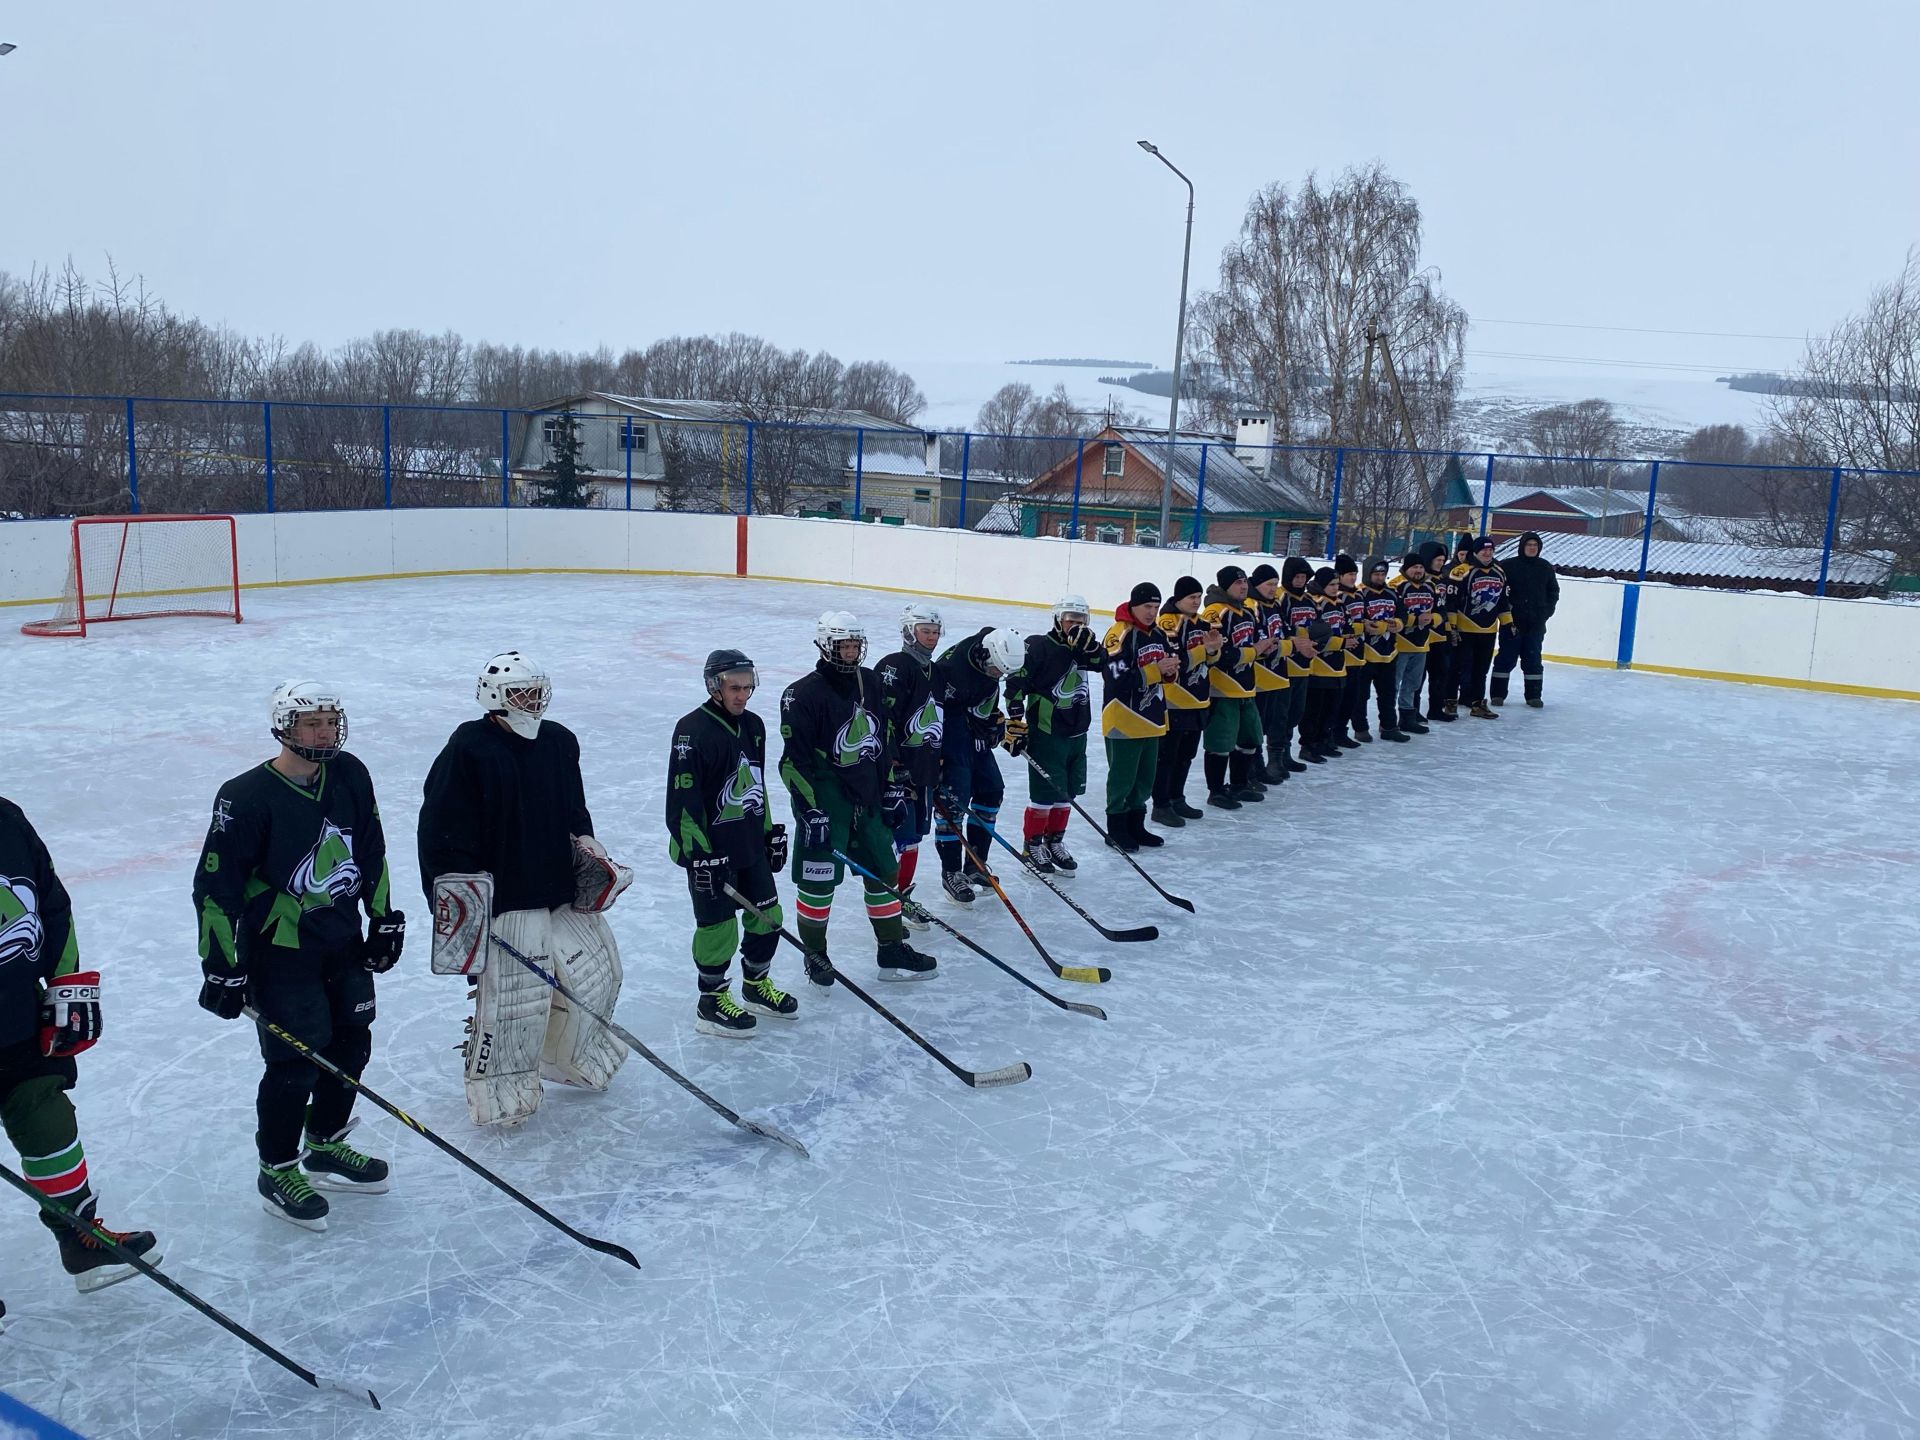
{"x":37,"y":939}
{"x":831,"y":723}
{"x":911,"y":717}
{"x":717,"y":788}
{"x":284,"y":863}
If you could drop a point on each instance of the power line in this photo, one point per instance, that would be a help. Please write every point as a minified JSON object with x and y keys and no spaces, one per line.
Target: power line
{"x":1638,"y":330}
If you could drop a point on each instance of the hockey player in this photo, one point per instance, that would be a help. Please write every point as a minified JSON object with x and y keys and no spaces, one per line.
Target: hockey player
{"x":1271,"y":685}
{"x":1324,"y":634}
{"x":721,"y":832}
{"x":1535,"y":595}
{"x":504,"y":799}
{"x":911,"y":719}
{"x":1232,"y":739}
{"x":1420,"y":619}
{"x":1481,"y":609}
{"x":1353,"y":713}
{"x":966,"y":682}
{"x":1048,"y":713}
{"x":49,"y":1013}
{"x":1444,"y":656}
{"x":1297,"y":610}
{"x":1133,"y":713}
{"x":1381,"y":638}
{"x":1197,"y":644}
{"x":835,"y":764}
{"x":294,"y":850}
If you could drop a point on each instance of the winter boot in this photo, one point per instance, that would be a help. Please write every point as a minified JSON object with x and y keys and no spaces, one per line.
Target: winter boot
{"x":1482,"y":711}
{"x":900,"y":961}
{"x":1363,"y":734}
{"x":1168,"y":818}
{"x":763,"y":997}
{"x":1218,"y":794}
{"x":1451,"y":710}
{"x":92,"y":1265}
{"x":1497,"y":689}
{"x":1274,"y":772}
{"x":285,"y":1191}
{"x":1142,"y":836}
{"x":955,"y":884}
{"x":1063,"y":861}
{"x":1183,"y":811}
{"x":332,"y":1164}
{"x":1412,"y":723}
{"x":718,"y":1013}
{"x":1240,"y":771}
{"x":1394,"y":733}
{"x":1532,"y":684}
{"x":1120,"y":831}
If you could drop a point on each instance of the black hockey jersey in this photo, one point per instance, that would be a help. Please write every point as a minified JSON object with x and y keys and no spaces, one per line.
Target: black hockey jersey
{"x":911,"y":718}
{"x":506,"y":806}
{"x":965,"y":691}
{"x":1052,"y":690}
{"x":717,"y":788}
{"x":286,"y":866}
{"x":830,"y":722}
{"x":37,"y":939}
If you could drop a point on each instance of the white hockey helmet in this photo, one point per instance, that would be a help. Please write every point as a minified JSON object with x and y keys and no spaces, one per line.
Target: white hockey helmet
{"x":831,"y":630}
{"x":1005,"y":650}
{"x":916,"y":614}
{"x":307,"y":697}
{"x":1071,"y":605}
{"x":517,"y":690}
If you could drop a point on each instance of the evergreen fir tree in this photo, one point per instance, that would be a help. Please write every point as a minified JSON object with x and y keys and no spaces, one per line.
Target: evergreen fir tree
{"x":562,"y":486}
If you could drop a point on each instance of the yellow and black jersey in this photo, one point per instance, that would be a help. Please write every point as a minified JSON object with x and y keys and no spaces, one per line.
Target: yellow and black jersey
{"x":1481,"y":603}
{"x":1135,"y":702}
{"x":1420,"y":614}
{"x":1187,"y":634}
{"x":1383,"y":625}
{"x":1332,"y":617}
{"x":1355,"y":602}
{"x":1231,"y":676}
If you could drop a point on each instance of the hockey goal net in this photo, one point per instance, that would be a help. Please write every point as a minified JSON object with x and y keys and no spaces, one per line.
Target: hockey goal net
{"x":142,"y":567}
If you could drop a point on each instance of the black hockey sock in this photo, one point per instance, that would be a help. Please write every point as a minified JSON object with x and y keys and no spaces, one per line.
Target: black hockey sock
{"x":1240,"y":766}
{"x":1216,"y":766}
{"x":950,"y":856}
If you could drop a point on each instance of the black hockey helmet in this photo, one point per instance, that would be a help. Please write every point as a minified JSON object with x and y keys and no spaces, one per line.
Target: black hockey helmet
{"x":726,"y":662}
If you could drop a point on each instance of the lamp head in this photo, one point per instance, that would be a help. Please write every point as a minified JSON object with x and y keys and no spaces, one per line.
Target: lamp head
{"x":1146,"y":145}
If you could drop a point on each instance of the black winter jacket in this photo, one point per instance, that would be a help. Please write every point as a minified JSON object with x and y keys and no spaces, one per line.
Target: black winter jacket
{"x":1533,"y":590}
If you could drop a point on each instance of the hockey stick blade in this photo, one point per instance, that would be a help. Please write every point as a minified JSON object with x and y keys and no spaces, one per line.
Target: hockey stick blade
{"x":626,"y":1037}
{"x":1005,"y":1075}
{"x":1165,"y":894}
{"x":1085,"y":974}
{"x":358,"y":1392}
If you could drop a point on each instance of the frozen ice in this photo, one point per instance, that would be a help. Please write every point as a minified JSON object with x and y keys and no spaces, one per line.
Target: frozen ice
{"x":1542,"y":1078}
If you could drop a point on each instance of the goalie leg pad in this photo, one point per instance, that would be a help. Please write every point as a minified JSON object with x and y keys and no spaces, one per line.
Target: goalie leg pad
{"x":509,"y":1023}
{"x":579,"y":1050}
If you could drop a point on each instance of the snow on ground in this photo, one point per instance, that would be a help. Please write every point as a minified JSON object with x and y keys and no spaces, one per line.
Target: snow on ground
{"x":1547,"y":1078}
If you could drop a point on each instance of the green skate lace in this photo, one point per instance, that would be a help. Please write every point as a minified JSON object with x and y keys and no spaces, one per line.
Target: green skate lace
{"x":727,"y":1005}
{"x":291,"y":1182}
{"x":767,"y":990}
{"x":341,"y":1151}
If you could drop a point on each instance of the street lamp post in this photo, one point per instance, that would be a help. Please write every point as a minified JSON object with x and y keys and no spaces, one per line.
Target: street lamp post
{"x":1179,"y":345}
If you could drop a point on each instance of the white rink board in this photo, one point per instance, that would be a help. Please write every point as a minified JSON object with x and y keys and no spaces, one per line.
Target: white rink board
{"x":1585,"y":1110}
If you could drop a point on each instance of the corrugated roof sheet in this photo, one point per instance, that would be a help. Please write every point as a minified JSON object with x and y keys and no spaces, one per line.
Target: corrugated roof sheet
{"x":712,"y":411}
{"x":1620,"y":555}
{"x":1232,"y":486}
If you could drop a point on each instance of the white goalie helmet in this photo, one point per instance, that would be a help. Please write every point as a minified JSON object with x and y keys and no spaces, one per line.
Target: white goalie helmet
{"x":517,"y":690}
{"x":307,"y":697}
{"x":1071,"y":605}
{"x":916,"y":614}
{"x":1006,"y":650}
{"x":834,"y":628}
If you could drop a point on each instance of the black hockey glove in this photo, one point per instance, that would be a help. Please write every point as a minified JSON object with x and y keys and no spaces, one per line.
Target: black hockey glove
{"x":380,"y":952}
{"x":777,"y":849}
{"x":711,"y":874}
{"x":816,"y":830}
{"x":223,"y":991}
{"x":819,"y":968}
{"x":896,"y":807}
{"x":70,"y":1014}
{"x":996,"y":729}
{"x":1087,"y":649}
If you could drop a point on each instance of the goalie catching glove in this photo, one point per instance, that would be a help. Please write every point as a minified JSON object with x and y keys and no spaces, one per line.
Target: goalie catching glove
{"x":70,"y":1014}
{"x":597,"y":880}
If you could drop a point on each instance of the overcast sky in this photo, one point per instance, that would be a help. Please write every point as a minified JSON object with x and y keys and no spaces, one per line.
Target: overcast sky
{"x":955,"y":180}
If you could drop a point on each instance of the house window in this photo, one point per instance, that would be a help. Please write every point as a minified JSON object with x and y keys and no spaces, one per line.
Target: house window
{"x":552,"y":430}
{"x":633,"y":436}
{"x":1109,"y":535}
{"x":1114,"y":461}
{"x":1146,"y":535}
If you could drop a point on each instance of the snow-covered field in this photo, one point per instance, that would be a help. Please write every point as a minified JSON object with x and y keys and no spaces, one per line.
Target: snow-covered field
{"x":1552,"y":1077}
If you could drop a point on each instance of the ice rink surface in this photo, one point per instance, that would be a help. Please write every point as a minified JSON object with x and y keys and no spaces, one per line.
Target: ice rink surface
{"x":1548,"y":1078}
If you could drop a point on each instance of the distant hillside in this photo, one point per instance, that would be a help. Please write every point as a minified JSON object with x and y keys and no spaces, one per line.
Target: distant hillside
{"x":1767,"y":382}
{"x":1092,"y":364}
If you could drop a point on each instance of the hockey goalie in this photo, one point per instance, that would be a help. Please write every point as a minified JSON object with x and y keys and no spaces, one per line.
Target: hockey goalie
{"x":507,"y":853}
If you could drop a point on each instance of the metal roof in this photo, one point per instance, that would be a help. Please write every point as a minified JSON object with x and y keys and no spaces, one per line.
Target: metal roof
{"x":718,"y":411}
{"x":1620,"y":555}
{"x":1233,"y":487}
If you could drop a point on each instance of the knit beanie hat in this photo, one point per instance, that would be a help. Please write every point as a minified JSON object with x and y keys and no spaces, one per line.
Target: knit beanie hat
{"x":1186,"y":585}
{"x":1145,"y":593}
{"x":1229,"y":576}
{"x":1321,"y":579}
{"x":1261,"y":575}
{"x":1345,"y":565}
{"x":1407,"y":562}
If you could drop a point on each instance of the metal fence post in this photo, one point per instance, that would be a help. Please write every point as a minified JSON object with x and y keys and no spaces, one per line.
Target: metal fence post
{"x":626,"y":442}
{"x":1333,"y":511}
{"x":1486,"y":501}
{"x":1646,"y":526}
{"x":1826,"y":546}
{"x":966,"y":464}
{"x":506,"y":463}
{"x":859,"y":466}
{"x":266,"y":425}
{"x":746,"y":507}
{"x":133,"y":465}
{"x":1073,"y":517}
{"x":1194,"y":536}
{"x":386,"y":452}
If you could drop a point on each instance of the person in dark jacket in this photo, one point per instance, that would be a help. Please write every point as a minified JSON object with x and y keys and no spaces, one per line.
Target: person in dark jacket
{"x":1443,"y":653}
{"x":1534,"y":593}
{"x":1353,"y":699}
{"x":1049,"y":709}
{"x":1480,"y":613}
{"x":1297,"y":612}
{"x":1380,"y":638}
{"x":1198,"y":645}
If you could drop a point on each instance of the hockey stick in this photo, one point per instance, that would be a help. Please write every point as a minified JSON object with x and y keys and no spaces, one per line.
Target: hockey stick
{"x":626,"y":1037}
{"x":91,"y":1230}
{"x":1087,"y":974}
{"x":1136,"y":932}
{"x":1166,"y":895}
{"x":296,"y":1044}
{"x":978,"y":1079}
{"x":983,"y":953}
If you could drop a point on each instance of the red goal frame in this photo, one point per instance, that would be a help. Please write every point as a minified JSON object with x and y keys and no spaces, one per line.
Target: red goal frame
{"x":75,"y":600}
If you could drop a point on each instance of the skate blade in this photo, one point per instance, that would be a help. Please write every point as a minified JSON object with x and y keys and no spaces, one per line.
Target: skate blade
{"x":279,"y":1214}
{"x":107,"y":1275}
{"x":893,"y":974}
{"x":766,"y":1014}
{"x":722,"y":1032}
{"x":340,"y":1185}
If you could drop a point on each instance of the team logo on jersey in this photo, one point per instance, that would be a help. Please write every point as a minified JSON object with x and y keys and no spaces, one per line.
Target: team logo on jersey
{"x":1484,"y":591}
{"x":744,"y":794}
{"x":858,"y":740}
{"x":682,"y":746}
{"x":329,"y":872}
{"x":1071,"y":689}
{"x":926,"y":727}
{"x":21,"y":929}
{"x":222,"y":814}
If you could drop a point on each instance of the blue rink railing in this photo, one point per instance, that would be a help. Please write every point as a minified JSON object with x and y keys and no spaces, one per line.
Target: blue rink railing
{"x":93,"y":454}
